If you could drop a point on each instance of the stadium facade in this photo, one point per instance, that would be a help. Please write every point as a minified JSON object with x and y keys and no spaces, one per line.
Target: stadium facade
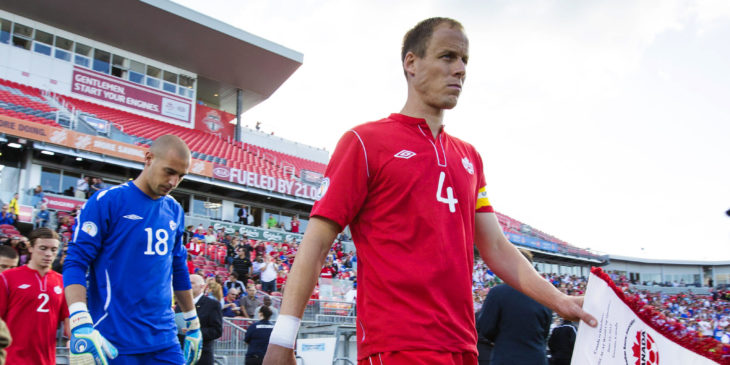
{"x":85,"y":87}
{"x":647,"y":272}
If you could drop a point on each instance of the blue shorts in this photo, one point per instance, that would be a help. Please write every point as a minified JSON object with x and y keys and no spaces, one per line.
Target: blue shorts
{"x":172,"y":355}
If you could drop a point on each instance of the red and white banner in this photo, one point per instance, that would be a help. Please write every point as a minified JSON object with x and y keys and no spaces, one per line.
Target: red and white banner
{"x":214,"y":121}
{"x":65,"y":204}
{"x":625,"y":337}
{"x":128,"y":94}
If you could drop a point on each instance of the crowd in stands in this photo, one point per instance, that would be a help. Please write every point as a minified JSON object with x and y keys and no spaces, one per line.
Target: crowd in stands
{"x":242,"y":271}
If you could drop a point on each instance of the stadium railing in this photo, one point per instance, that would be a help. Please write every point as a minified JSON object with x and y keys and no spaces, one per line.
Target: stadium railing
{"x":230,"y":348}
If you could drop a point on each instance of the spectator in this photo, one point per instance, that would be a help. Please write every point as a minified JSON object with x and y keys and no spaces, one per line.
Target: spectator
{"x":242,"y":264}
{"x":211,"y":322}
{"x":257,"y":337}
{"x":231,"y":251}
{"x":210,"y":235}
{"x":219,"y":279}
{"x":249,"y":219}
{"x":215,"y":291}
{"x":561,"y":343}
{"x":194,"y":246}
{"x":14,"y":206}
{"x":248,"y":302}
{"x":188,"y":235}
{"x":234,"y":283}
{"x":230,"y":304}
{"x":267,"y":303}
{"x":17,"y":244}
{"x":60,"y":259}
{"x":295,"y":224}
{"x":268,"y":275}
{"x":41,"y":217}
{"x":8,"y":258}
{"x":37,"y":197}
{"x":64,"y":225}
{"x":260,"y":249}
{"x":98,"y":185}
{"x":6,"y":217}
{"x":242,"y":214}
{"x":328,"y":271}
{"x":281,"y":280}
{"x":271,"y":223}
{"x":82,"y":188}
{"x":257,"y":265}
{"x":517,"y":324}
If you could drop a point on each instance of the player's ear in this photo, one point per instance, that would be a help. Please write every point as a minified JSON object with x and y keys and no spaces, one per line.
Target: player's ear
{"x":409,"y":66}
{"x":148,"y":158}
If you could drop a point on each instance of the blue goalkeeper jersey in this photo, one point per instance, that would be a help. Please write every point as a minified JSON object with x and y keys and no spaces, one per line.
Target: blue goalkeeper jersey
{"x":131,"y":247}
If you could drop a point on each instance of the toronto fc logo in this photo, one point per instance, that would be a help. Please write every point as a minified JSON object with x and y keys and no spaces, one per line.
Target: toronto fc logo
{"x":645,"y":350}
{"x":212,"y":120}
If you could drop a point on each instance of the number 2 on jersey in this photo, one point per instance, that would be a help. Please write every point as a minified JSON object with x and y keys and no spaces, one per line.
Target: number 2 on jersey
{"x":160,"y":245}
{"x":42,"y":308}
{"x":449,"y":199}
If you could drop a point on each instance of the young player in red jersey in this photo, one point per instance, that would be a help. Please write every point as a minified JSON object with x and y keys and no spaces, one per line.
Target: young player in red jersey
{"x":32,"y":303}
{"x":415,"y":200}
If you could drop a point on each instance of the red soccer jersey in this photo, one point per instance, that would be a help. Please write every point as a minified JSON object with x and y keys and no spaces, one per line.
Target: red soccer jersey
{"x":32,"y":306}
{"x":410,"y":200}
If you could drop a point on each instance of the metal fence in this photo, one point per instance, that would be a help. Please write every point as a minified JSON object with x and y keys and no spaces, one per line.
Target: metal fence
{"x":230,"y":347}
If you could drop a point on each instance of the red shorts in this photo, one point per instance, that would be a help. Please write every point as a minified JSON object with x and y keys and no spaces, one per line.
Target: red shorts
{"x":421,"y":358}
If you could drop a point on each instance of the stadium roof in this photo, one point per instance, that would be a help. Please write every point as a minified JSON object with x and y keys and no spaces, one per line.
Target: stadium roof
{"x":224,"y":57}
{"x":667,"y":262}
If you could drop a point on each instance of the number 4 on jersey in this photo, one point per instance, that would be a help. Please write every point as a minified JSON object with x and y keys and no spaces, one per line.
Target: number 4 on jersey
{"x":449,"y":199}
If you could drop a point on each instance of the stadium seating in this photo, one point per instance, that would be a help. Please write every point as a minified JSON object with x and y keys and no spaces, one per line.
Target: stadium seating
{"x":25,"y":102}
{"x":203,"y":145}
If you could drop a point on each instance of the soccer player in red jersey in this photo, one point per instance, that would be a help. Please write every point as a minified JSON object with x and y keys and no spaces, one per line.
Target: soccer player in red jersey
{"x":415,"y":200}
{"x":32,"y":303}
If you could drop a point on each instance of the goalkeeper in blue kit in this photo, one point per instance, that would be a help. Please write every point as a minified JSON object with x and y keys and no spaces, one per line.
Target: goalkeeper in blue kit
{"x":129,"y":240}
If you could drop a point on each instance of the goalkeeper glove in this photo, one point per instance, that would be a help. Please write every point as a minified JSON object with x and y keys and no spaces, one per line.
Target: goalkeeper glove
{"x":87,"y":345}
{"x":193,"y":337}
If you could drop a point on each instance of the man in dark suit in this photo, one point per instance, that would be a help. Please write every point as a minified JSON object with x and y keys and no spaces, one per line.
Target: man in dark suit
{"x":211,"y":319}
{"x":517,"y":325}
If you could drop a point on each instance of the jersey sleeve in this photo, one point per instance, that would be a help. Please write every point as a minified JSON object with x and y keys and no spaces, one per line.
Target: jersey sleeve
{"x":87,"y":238}
{"x":180,"y":275}
{"x":345,"y":185}
{"x":483,"y":205}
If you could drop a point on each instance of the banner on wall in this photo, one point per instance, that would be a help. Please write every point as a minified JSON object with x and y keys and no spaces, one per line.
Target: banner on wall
{"x":531,"y":242}
{"x":251,"y":232}
{"x":68,"y":138}
{"x":214,"y":121}
{"x":63,"y":203}
{"x":124,"y":93}
{"x":264,"y":182}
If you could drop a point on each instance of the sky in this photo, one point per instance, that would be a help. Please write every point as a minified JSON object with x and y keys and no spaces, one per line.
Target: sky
{"x":603,"y":123}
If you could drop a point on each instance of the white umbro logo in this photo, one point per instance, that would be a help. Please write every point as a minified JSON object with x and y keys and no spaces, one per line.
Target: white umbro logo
{"x":133,"y":217}
{"x":24,"y":286}
{"x":406,"y":154}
